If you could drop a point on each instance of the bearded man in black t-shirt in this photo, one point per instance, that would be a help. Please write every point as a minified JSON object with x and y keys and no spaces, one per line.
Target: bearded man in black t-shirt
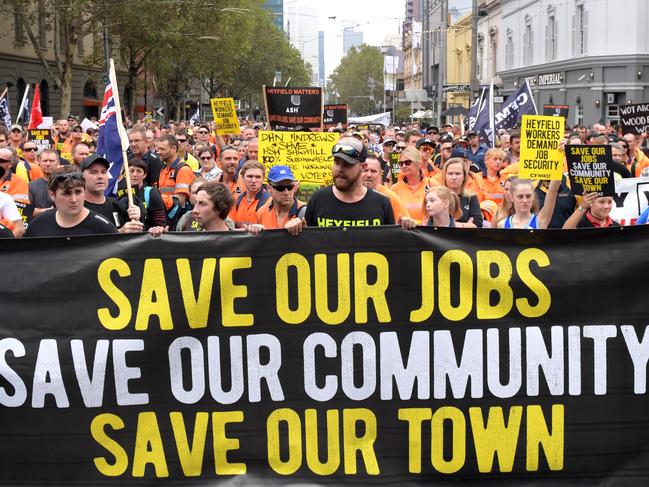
{"x":347,"y":203}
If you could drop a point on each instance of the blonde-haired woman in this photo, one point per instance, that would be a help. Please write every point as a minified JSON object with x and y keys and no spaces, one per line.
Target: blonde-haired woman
{"x":412,"y":185}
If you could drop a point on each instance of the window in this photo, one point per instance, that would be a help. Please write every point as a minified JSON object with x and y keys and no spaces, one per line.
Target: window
{"x":493,"y":42}
{"x":509,"y":49}
{"x":551,"y":30}
{"x":612,"y":113}
{"x":579,"y":115}
{"x":528,"y":42}
{"x":579,"y":30}
{"x":480,"y":55}
{"x":42,"y":24}
{"x":19,"y":29}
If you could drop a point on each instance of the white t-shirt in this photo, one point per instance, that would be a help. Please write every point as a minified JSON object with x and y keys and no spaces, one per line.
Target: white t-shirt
{"x":8,"y":209}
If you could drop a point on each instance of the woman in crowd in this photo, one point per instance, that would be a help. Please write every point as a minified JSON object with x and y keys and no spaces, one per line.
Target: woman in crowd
{"x":208,"y":168}
{"x":442,"y":207}
{"x":593,"y":212}
{"x":413,"y":185}
{"x":525,"y":212}
{"x":493,"y":181}
{"x":454,"y":177}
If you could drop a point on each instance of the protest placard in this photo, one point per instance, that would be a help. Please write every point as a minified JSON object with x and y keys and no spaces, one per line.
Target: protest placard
{"x":631,"y":199}
{"x":41,"y":137}
{"x":634,"y":119}
{"x":590,"y":169}
{"x":395,"y":168}
{"x":556,"y":110}
{"x":293,"y":108}
{"x":225,"y":116}
{"x":334,"y":115}
{"x":308,"y":154}
{"x":540,"y":154}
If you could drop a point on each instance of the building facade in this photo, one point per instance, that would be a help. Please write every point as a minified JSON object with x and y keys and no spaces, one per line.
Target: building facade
{"x":301,"y":27}
{"x":490,"y":50}
{"x":458,"y":66}
{"x":591,"y":56}
{"x":20,"y":66}
{"x":276,"y":7}
{"x":351,"y":38}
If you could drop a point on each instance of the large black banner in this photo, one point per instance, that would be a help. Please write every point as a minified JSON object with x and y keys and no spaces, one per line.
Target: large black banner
{"x":293,"y":108}
{"x":336,"y":357}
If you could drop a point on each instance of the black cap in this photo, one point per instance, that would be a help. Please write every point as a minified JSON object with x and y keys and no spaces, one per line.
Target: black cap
{"x":432,"y":128}
{"x":91,"y":159}
{"x":459,"y":152}
{"x":446,"y":138}
{"x":424,"y":141}
{"x":471,"y":133}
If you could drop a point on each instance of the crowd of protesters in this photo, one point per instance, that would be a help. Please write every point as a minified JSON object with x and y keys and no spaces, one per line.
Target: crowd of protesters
{"x":187,"y":178}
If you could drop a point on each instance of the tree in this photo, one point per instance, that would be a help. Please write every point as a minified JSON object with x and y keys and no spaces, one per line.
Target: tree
{"x":358,"y":79}
{"x":69,"y":19}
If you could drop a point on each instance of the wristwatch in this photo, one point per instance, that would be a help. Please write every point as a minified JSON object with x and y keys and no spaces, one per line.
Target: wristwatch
{"x":582,"y":209}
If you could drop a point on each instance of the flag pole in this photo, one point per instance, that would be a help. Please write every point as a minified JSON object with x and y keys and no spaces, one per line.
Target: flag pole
{"x":120,"y":129}
{"x":4,"y":93}
{"x":22,"y":103}
{"x":491,"y":113}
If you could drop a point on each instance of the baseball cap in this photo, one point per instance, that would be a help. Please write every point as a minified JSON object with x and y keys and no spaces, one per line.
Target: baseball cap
{"x":389,"y":141}
{"x":471,"y":133}
{"x":446,"y":138}
{"x":459,"y":152}
{"x":280,"y":173}
{"x":433,"y":129}
{"x":424,"y":141}
{"x":350,"y":150}
{"x":16,"y":126}
{"x":91,"y":159}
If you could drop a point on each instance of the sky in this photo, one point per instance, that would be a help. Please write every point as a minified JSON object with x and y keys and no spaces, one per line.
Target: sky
{"x":375,"y":18}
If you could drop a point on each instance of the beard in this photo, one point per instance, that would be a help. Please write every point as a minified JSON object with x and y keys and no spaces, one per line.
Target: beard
{"x":345,"y":183}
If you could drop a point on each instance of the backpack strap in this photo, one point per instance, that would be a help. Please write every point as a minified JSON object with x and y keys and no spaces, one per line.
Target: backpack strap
{"x":147,"y":195}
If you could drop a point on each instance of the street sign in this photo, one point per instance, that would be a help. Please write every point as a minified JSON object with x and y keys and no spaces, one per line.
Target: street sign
{"x":453,"y":88}
{"x":160,"y":111}
{"x":499,"y":99}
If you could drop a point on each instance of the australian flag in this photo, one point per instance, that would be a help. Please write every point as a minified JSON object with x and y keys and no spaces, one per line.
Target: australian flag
{"x":5,"y":117}
{"x":109,"y":144}
{"x":510,"y":113}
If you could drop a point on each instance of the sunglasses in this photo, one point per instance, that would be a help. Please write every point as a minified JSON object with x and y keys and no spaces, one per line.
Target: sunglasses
{"x":16,"y":131}
{"x":203,"y":132}
{"x":282,"y":187}
{"x":205,"y":158}
{"x":181,"y":140}
{"x":59,"y":178}
{"x":30,"y":149}
{"x":346,"y":149}
{"x":405,"y":163}
{"x":4,"y":161}
{"x":76,"y":130}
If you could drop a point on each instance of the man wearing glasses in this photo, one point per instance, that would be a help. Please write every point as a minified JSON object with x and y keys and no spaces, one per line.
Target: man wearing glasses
{"x":282,"y":206}
{"x":139,"y":145}
{"x":184,"y":151}
{"x":71,"y":217}
{"x":347,"y":203}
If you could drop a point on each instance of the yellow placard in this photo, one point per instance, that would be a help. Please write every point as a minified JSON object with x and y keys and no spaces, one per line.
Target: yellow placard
{"x":308,"y":154}
{"x":540,"y":154}
{"x":225,"y":116}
